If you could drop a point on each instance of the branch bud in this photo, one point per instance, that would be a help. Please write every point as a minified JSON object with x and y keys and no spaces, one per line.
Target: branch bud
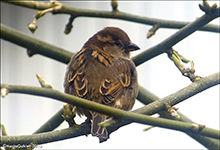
{"x":4,"y":91}
{"x":32,"y":27}
{"x":114,"y":4}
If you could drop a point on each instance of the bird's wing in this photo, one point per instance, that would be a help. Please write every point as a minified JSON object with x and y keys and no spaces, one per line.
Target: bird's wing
{"x":113,"y":88}
{"x":75,"y":82}
{"x":75,"y":76}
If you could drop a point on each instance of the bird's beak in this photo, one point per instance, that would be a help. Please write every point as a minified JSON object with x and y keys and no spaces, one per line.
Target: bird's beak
{"x":132,"y":47}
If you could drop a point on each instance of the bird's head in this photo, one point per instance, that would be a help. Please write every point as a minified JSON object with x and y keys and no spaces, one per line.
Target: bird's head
{"x":113,"y":41}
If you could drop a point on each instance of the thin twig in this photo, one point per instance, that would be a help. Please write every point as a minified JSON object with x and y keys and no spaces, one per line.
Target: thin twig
{"x":111,"y":14}
{"x":152,"y":30}
{"x":179,"y":96}
{"x":47,"y":137}
{"x":52,"y":123}
{"x":56,"y":53}
{"x":169,"y":42}
{"x":146,"y":97}
{"x":206,"y":7}
{"x":35,"y":45}
{"x":178,"y":61}
{"x":154,"y":107}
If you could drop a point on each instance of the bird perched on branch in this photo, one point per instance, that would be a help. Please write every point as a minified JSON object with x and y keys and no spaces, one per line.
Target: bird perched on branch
{"x":103,"y":72}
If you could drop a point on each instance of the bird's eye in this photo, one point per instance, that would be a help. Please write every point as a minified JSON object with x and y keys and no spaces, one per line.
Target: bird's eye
{"x":117,"y":43}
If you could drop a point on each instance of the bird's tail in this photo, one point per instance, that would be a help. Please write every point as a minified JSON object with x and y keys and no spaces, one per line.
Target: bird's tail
{"x":96,"y":130}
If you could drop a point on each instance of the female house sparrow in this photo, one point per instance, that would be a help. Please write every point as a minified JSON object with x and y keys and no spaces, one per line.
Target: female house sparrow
{"x":102,"y":72}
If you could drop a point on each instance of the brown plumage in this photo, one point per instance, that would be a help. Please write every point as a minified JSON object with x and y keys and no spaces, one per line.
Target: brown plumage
{"x":103,"y":72}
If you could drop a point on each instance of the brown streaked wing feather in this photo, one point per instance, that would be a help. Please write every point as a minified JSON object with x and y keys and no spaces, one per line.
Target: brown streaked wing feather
{"x":75,"y":77}
{"x":80,"y":84}
{"x":113,"y":89}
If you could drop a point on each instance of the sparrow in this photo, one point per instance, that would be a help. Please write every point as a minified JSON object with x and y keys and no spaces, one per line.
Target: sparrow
{"x":103,"y":72}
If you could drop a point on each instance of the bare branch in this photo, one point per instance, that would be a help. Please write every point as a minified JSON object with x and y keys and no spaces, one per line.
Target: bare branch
{"x":175,"y":38}
{"x":178,"y":61}
{"x":177,"y":97}
{"x":52,"y":123}
{"x":153,"y":30}
{"x":206,"y":7}
{"x":69,"y":25}
{"x":146,"y":97}
{"x":64,"y":56}
{"x":207,"y":82}
{"x":42,"y":138}
{"x":111,"y":14}
{"x":34,"y":45}
{"x":152,"y":108}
